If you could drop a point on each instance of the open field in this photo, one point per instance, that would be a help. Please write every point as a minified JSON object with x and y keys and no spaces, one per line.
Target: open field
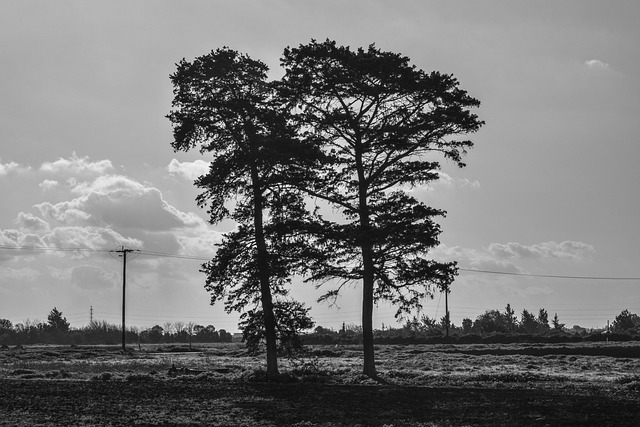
{"x":523,"y":384}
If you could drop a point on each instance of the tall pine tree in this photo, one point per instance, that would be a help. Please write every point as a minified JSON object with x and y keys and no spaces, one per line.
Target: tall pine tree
{"x":380,"y":122}
{"x":224,"y":105}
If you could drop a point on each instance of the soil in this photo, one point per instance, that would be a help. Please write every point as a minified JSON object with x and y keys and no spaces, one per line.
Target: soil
{"x":419,"y":385}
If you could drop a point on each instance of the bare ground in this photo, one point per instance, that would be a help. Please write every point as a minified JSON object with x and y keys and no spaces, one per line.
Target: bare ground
{"x":418,"y":386}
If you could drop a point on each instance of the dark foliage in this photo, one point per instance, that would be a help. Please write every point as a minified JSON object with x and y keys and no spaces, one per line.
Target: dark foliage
{"x":379,"y":121}
{"x":224,"y":105}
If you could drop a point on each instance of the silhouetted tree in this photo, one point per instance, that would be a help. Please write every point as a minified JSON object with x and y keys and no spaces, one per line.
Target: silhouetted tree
{"x":626,"y":321}
{"x":467,"y":324}
{"x":543,"y":320}
{"x":56,"y":321}
{"x":491,"y":321}
{"x":225,"y":336}
{"x":528,"y":322}
{"x":557,"y":326}
{"x":154,"y":334}
{"x":224,"y":105}
{"x":6,"y":324}
{"x":379,"y":120}
{"x":510,"y":318}
{"x":291,"y":318}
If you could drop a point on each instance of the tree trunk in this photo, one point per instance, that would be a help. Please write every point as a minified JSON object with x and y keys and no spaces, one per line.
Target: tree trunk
{"x":369,"y":367}
{"x":263,"y":273}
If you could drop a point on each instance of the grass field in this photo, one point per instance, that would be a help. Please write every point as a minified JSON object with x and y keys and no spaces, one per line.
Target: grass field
{"x":419,"y":385}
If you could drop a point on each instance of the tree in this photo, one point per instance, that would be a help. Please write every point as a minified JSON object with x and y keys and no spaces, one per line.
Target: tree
{"x":467,"y":324}
{"x":291,"y":318}
{"x":528,"y":322}
{"x":543,"y":320}
{"x":56,"y":321}
{"x":626,"y":321}
{"x":510,"y":318}
{"x":5,"y":324}
{"x":557,"y":326}
{"x":224,"y":104}
{"x":379,"y":121}
{"x":491,"y":321}
{"x":225,"y":336}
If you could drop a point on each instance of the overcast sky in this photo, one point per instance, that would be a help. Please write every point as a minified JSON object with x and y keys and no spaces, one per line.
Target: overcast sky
{"x":551,"y":186}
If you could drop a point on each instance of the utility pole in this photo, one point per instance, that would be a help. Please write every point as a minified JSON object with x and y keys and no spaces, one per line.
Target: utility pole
{"x":91,"y":316}
{"x":446,"y":308}
{"x":124,"y":251}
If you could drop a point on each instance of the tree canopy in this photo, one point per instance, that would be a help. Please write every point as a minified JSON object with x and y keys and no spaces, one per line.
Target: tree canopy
{"x":379,"y":121}
{"x":355,"y":129}
{"x":57,"y":321}
{"x":224,"y":104}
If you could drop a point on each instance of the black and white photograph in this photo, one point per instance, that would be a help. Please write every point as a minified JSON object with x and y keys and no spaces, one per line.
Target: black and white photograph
{"x":319,"y":213}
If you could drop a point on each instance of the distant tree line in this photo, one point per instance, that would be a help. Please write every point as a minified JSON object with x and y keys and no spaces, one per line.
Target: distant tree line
{"x":493,"y":326}
{"x":57,"y":330}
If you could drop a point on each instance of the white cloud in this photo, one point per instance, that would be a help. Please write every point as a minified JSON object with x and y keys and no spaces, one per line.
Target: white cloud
{"x":21,"y":274}
{"x":200,"y":242}
{"x":12,"y":237}
{"x":48,"y":184}
{"x":119,"y":202}
{"x":188,"y":170}
{"x":77,"y":165}
{"x":91,"y":277}
{"x":7,"y":168}
{"x":449,"y":181}
{"x":29,"y":222}
{"x":474,"y":259}
{"x":567,"y":249}
{"x":97,"y":238}
{"x":62,"y":274}
{"x":596,"y":64}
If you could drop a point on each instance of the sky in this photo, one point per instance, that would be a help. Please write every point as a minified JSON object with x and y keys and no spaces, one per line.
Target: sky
{"x":550,"y":187}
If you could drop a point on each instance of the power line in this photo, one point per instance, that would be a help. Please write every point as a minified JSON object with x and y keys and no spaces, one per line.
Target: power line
{"x":551,"y":276}
{"x":195,"y":258}
{"x":50,"y":248}
{"x":62,"y":249}
{"x":168,"y":255}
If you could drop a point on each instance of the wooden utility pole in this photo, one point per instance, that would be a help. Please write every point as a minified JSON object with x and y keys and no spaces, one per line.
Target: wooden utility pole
{"x":124,"y":251}
{"x":446,"y":308}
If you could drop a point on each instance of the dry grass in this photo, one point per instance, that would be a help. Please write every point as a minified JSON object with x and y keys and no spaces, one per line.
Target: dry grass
{"x":418,"y":385}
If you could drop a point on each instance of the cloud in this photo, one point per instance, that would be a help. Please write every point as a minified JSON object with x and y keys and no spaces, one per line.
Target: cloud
{"x":119,"y":202}
{"x":474,"y":259}
{"x":200,"y":242}
{"x":536,"y":290}
{"x":34,"y":232}
{"x":448,"y":180}
{"x":90,"y":277}
{"x":48,"y":184}
{"x":567,"y":249}
{"x":188,"y":170}
{"x":29,"y":222}
{"x":22,"y":274}
{"x":77,"y":165}
{"x":62,"y":274}
{"x":7,"y":168}
{"x":95,"y":238}
{"x":13,"y":238}
{"x":596,"y":64}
